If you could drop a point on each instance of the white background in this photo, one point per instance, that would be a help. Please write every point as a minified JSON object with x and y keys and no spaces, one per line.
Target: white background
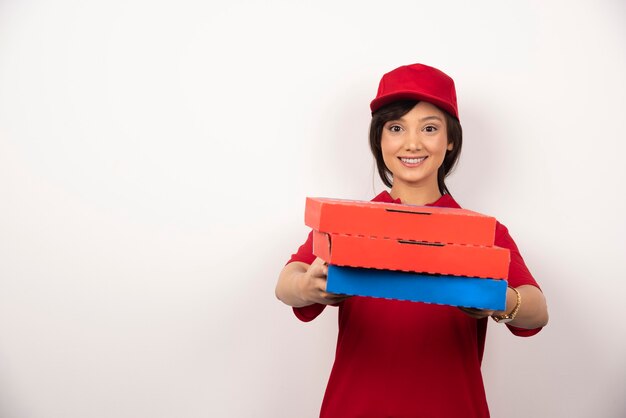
{"x":155,"y":157}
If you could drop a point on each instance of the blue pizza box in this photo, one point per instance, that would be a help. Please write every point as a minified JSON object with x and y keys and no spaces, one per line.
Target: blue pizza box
{"x":469,"y":292}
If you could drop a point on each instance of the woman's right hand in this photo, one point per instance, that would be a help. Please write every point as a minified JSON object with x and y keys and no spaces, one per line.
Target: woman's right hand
{"x":312,"y":285}
{"x":301,"y":284}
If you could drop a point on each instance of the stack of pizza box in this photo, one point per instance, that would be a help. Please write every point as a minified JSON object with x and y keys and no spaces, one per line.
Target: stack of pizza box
{"x":417,"y":253}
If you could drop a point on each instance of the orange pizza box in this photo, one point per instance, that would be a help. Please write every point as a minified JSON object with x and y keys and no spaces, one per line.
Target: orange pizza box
{"x":398,"y":221}
{"x":412,"y":256}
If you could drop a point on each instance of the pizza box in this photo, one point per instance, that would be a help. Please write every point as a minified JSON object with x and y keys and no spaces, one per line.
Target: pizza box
{"x":470,"y":292}
{"x":399,"y":221}
{"x":412,"y":256}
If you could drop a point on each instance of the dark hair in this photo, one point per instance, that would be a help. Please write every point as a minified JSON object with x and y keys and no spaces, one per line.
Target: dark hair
{"x":395,"y":111}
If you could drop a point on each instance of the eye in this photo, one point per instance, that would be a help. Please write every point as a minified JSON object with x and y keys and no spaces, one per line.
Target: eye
{"x":430,"y":128}
{"x":395,"y":128}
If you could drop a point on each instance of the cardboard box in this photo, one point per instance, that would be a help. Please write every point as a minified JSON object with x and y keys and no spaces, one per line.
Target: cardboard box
{"x":406,"y":222}
{"x":412,"y":256}
{"x":468,"y":292}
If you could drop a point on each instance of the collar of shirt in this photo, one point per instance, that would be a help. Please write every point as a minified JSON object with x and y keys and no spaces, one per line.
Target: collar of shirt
{"x":445,"y":201}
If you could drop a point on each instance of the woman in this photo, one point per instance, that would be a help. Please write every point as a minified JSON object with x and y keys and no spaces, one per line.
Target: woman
{"x":399,"y":358}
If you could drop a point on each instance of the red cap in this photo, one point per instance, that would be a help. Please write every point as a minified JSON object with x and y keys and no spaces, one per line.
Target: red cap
{"x":418,"y":82}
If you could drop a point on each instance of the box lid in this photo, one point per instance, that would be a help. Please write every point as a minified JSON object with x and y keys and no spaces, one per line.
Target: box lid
{"x":398,"y":221}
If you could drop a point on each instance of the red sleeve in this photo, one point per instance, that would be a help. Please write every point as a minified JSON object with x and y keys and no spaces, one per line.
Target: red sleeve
{"x":518,"y":272}
{"x":305,"y":252}
{"x":305,"y":255}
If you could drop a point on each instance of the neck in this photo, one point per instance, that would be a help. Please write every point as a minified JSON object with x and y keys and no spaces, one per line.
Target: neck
{"x":415,"y":195}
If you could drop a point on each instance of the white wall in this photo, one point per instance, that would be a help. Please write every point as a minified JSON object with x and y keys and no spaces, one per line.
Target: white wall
{"x":155,"y":158}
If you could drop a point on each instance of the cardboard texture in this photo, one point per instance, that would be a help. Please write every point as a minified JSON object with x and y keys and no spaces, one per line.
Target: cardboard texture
{"x":412,"y":256}
{"x":392,"y":220}
{"x":468,"y":292}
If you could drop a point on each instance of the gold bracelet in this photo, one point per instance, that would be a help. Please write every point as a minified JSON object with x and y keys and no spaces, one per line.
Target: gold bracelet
{"x":511,"y":316}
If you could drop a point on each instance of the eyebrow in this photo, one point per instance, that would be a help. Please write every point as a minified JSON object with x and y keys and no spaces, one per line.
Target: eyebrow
{"x":430,"y":117}
{"x":425,"y":118}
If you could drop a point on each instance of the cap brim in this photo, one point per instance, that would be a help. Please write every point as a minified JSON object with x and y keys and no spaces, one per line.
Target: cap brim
{"x":381,"y":101}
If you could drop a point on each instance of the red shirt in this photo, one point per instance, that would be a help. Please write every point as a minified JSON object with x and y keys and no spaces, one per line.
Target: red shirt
{"x":406,"y":359}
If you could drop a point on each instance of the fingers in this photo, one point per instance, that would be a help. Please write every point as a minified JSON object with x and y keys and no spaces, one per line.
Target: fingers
{"x":317,"y":273}
{"x":334,"y":297}
{"x":319,"y":261}
{"x":476,"y":313}
{"x":325,"y":297}
{"x":331,"y":298}
{"x":319,"y":269}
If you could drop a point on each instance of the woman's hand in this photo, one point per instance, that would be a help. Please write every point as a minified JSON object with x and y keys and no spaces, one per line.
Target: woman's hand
{"x":301,"y":284}
{"x":532,"y":312}
{"x":477,"y":313}
{"x":511,"y":301}
{"x":313,"y":285}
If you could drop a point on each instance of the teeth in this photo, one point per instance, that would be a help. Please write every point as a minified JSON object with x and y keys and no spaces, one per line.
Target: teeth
{"x":413,"y":160}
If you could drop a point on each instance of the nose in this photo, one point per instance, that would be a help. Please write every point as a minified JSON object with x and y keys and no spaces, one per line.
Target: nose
{"x":413,"y":142}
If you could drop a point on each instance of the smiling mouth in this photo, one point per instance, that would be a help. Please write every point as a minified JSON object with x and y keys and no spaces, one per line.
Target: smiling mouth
{"x":413,"y":161}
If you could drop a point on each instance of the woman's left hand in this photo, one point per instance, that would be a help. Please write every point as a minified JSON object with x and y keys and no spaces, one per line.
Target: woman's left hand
{"x":532,"y":313}
{"x":477,"y":313}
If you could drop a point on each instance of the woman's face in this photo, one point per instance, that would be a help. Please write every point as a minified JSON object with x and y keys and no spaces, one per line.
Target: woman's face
{"x":415,"y":145}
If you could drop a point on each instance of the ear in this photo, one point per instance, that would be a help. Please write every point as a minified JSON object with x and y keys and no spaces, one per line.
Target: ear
{"x":450,"y":146}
